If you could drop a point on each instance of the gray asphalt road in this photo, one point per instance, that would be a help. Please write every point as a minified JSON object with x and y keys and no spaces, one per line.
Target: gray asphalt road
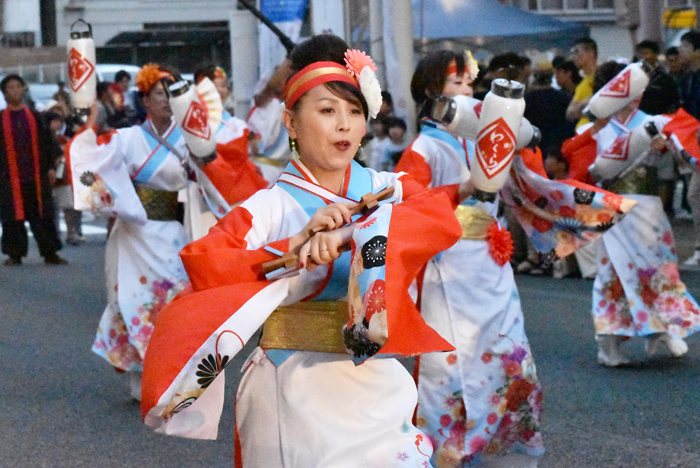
{"x":61,"y":406}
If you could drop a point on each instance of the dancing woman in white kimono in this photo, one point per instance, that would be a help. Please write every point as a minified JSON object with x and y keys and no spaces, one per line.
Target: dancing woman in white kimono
{"x":303,"y":402}
{"x":483,"y":401}
{"x":481,"y":404}
{"x":637,"y":290}
{"x":133,"y":175}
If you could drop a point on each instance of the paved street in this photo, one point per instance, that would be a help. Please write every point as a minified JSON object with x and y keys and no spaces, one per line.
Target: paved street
{"x":62,"y":406}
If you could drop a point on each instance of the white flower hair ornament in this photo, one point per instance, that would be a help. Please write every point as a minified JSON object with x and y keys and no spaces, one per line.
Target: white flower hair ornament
{"x":361,"y":66}
{"x":472,"y":64}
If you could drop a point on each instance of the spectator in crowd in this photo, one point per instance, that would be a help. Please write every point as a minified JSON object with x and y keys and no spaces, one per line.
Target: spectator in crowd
{"x":674,"y":62}
{"x":661,"y":96}
{"x":396,"y":142}
{"x":387,"y":108}
{"x":508,"y":65}
{"x":27,"y":157}
{"x":122,"y":99}
{"x":545,"y":108}
{"x":63,"y":98}
{"x":380,"y":138}
{"x":585,"y":56}
{"x":62,"y":190}
{"x":689,"y":83}
{"x":105,"y":108}
{"x":567,"y":76}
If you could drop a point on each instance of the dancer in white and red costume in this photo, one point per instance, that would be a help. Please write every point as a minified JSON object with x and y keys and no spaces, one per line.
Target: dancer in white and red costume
{"x":481,"y":404}
{"x":131,"y":175}
{"x":637,"y":290}
{"x":303,"y":402}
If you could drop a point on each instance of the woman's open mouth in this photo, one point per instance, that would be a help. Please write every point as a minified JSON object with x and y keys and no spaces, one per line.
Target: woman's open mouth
{"x":342,"y":145}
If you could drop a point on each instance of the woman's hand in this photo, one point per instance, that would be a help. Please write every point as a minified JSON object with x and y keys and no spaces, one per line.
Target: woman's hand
{"x":599,"y":124}
{"x":92,"y":118}
{"x":328,"y":218}
{"x":466,"y":188}
{"x":324,"y":247}
{"x":658,"y":143}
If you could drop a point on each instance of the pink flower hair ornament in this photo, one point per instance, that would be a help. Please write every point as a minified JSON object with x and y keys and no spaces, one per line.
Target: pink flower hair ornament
{"x":361,"y":66}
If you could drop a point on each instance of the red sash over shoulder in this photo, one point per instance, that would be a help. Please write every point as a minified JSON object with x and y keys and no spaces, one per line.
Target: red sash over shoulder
{"x":13,"y":169}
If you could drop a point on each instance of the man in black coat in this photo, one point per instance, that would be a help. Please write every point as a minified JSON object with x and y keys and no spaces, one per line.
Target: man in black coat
{"x":27,"y":156}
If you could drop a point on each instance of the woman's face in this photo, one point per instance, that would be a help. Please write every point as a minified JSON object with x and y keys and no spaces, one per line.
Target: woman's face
{"x":156,"y":102}
{"x":221,"y":87}
{"x":457,"y":85}
{"x":328,"y":130}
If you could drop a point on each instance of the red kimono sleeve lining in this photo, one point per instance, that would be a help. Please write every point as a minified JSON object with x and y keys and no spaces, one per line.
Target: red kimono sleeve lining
{"x":418,"y":178}
{"x":222,"y":258}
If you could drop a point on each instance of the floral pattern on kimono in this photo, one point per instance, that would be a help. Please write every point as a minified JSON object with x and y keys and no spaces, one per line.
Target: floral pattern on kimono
{"x":638,"y":290}
{"x":124,"y":344}
{"x":560,"y":217}
{"x":511,"y":403}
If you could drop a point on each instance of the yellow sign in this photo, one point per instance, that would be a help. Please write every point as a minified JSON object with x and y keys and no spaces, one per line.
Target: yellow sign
{"x":680,"y":19}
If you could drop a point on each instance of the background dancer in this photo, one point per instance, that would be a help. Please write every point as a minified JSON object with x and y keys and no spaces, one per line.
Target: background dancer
{"x":133,"y":175}
{"x":466,"y":399}
{"x":637,"y":289}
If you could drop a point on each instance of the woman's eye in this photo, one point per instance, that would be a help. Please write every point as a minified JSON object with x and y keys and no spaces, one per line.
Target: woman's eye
{"x":327,"y":110}
{"x":355,"y":111}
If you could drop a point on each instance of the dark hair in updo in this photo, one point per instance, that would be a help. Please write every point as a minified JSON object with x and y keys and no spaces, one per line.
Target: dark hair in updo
{"x":327,"y":48}
{"x":430,"y":76}
{"x":606,"y":72}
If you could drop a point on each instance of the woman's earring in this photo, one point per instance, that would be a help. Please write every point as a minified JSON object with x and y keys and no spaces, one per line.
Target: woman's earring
{"x":293,"y":147}
{"x":360,"y":155}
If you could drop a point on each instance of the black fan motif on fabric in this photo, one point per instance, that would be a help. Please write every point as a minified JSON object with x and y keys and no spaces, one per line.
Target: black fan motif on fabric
{"x":583,"y":197}
{"x":209,"y":368}
{"x":356,"y":340}
{"x":374,"y":252}
{"x":87,"y":178}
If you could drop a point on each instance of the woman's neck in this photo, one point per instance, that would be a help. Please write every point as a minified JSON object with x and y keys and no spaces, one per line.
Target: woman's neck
{"x":332,"y":181}
{"x":161,"y":125}
{"x":625,"y":114}
{"x":15,"y":106}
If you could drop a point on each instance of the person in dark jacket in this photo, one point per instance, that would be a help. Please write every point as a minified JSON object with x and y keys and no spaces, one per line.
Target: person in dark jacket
{"x":27,"y":157}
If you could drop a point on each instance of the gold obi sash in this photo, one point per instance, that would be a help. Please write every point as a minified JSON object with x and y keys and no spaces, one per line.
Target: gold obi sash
{"x":475,"y":222}
{"x":268,"y":161}
{"x":159,"y":204}
{"x":307,"y":326}
{"x":641,"y":181}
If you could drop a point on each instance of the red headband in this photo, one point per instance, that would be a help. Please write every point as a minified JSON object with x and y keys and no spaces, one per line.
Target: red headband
{"x":313,"y":75}
{"x":452,"y":68}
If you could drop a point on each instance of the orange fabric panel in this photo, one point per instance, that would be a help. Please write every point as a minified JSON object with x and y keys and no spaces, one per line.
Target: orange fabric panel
{"x":685,"y":127}
{"x":183,"y":326}
{"x":232,"y":173}
{"x":534,"y":161}
{"x":209,"y":261}
{"x":420,"y":228}
{"x":580,"y":151}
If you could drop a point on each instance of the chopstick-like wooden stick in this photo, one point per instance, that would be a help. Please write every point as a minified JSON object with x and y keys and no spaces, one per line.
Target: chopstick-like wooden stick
{"x":290,"y":260}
